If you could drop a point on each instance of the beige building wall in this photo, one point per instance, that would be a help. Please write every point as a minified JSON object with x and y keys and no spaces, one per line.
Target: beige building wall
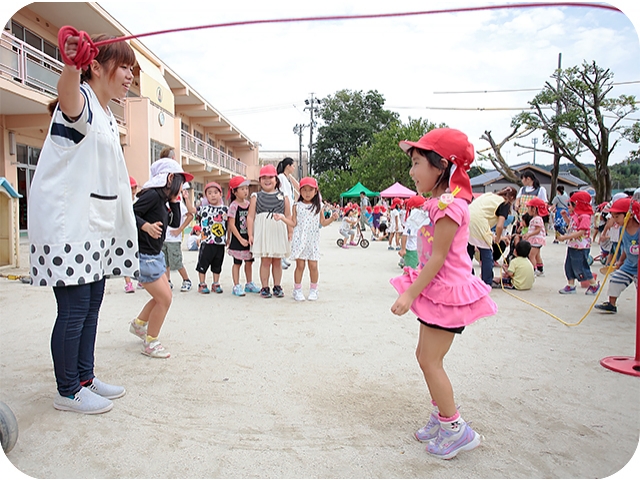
{"x":151,"y":118}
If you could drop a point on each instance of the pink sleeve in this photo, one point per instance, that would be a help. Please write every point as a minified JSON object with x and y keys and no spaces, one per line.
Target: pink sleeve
{"x":455,"y":211}
{"x":584,"y":222}
{"x":233,"y":208}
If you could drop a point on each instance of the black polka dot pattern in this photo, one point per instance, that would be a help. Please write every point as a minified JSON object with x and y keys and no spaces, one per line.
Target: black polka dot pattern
{"x":66,"y":264}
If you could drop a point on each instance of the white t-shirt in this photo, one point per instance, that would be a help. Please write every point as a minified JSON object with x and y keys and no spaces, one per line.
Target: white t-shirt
{"x":287,"y":189}
{"x":177,"y":238}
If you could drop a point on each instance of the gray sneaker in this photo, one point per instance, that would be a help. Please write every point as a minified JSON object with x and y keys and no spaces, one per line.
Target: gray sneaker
{"x":105,"y":390}
{"x":85,"y":401}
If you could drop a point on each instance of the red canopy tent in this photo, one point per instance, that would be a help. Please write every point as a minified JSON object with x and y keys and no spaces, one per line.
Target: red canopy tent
{"x":398,"y":190}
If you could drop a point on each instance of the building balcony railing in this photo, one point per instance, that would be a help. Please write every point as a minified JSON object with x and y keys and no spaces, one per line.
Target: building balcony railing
{"x":33,"y":68}
{"x":211,"y":156}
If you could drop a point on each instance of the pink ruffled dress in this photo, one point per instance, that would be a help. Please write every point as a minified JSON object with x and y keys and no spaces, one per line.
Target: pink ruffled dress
{"x":455,"y":297}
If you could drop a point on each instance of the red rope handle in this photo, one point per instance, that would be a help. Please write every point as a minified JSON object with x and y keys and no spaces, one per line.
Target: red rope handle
{"x":87,"y":50}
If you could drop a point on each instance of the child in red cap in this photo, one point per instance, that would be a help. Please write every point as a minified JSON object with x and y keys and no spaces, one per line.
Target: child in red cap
{"x":443,"y":292}
{"x":239,"y":247}
{"x":578,"y":237}
{"x":627,"y":264}
{"x":416,"y":218}
{"x":305,"y":244}
{"x":268,"y":237}
{"x":212,"y":217}
{"x":536,"y":234}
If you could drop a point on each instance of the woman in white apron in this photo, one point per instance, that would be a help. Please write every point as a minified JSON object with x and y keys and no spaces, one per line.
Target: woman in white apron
{"x":81,"y":223}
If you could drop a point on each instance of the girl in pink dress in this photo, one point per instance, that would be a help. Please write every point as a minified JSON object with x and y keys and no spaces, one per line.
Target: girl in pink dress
{"x":442,"y":291}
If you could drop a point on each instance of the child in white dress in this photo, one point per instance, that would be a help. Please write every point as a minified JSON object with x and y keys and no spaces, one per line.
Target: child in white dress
{"x":305,"y":245}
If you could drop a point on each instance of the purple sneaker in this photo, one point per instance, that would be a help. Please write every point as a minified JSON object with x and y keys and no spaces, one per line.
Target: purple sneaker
{"x":593,"y":289}
{"x":430,"y":430}
{"x":449,"y":442}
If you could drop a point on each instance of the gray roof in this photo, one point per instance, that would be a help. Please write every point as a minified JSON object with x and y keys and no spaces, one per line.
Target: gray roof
{"x":492,"y":176}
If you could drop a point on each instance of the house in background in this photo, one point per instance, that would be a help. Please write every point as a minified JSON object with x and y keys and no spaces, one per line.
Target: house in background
{"x":494,"y":181}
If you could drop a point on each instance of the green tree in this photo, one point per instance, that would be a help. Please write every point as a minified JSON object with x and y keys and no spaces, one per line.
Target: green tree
{"x":333,"y":182}
{"x":381,"y":163}
{"x":586,"y":121}
{"x":350,"y":119}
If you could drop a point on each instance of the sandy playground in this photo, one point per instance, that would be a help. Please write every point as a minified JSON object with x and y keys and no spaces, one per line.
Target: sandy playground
{"x":328,"y":389}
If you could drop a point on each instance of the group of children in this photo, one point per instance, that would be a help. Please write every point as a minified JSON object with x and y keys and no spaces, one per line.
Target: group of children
{"x":261,"y":225}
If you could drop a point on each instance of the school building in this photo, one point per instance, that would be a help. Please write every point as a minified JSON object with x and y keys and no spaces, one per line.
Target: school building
{"x":160,"y":110}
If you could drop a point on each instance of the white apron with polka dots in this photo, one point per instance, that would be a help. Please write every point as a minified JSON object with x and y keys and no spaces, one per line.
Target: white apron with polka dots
{"x":80,"y":213}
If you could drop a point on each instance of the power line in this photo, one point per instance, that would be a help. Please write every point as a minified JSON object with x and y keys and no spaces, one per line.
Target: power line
{"x":515,"y":89}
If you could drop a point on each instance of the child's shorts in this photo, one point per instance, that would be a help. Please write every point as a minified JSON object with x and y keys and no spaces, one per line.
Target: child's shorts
{"x":152,"y":267}
{"x":619,"y":281}
{"x":347,"y":233}
{"x":173,"y":255}
{"x":210,"y":256}
{"x":576,"y":265}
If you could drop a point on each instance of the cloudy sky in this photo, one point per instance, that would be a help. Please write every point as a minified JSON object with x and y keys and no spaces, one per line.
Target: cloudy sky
{"x":258,"y":76}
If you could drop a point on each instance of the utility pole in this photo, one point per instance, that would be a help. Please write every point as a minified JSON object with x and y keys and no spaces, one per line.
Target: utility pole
{"x":298,"y":129}
{"x":311,"y":106}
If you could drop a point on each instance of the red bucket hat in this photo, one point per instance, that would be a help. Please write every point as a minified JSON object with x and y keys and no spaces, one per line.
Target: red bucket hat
{"x":582,"y":201}
{"x":540,"y":205}
{"x":452,"y":145}
{"x":212,"y":185}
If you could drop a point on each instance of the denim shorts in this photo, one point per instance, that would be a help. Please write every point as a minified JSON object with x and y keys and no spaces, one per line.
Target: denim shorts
{"x":152,"y":267}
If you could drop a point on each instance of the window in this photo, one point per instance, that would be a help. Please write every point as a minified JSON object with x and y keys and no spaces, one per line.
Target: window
{"x":37,"y":42}
{"x":198,"y":135}
{"x":156,"y":148}
{"x":27,"y":159}
{"x":184,"y":127}
{"x":211,"y":142}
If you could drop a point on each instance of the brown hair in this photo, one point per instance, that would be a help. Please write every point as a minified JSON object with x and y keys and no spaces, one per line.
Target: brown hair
{"x":166,"y":152}
{"x":111,"y":56}
{"x":509,"y":193}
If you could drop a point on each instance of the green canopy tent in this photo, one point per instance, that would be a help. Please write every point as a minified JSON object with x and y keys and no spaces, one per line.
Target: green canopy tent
{"x":355,"y":192}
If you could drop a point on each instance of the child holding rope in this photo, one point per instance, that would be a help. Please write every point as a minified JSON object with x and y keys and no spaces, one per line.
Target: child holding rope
{"x":627,"y":265}
{"x":81,"y":223}
{"x":442,"y":292}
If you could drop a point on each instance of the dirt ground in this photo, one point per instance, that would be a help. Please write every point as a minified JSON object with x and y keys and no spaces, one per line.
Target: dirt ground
{"x":329,"y":389}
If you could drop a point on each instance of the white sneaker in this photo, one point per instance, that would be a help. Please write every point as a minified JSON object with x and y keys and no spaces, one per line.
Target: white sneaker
{"x":298,"y":296}
{"x":155,"y":350}
{"x":313,"y":294}
{"x":85,"y":401}
{"x":105,"y":390}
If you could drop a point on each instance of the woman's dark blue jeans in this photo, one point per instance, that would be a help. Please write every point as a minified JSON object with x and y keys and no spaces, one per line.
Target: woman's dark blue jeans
{"x":73,"y":338}
{"x":486,"y":265}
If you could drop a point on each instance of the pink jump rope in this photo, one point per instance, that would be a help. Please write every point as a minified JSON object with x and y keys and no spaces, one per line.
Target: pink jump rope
{"x":87,"y":49}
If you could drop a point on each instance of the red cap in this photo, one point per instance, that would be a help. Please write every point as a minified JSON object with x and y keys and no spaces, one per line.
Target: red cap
{"x":309,"y":182}
{"x":452,"y":145}
{"x":582,"y":202}
{"x":376,"y":209}
{"x":540,"y":204}
{"x":196,"y":228}
{"x":132,"y":182}
{"x":268,"y":171}
{"x":212,"y":184}
{"x":237,"y":182}
{"x":368,"y":209}
{"x":396,"y":202}
{"x":622,"y":206}
{"x":414,"y":202}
